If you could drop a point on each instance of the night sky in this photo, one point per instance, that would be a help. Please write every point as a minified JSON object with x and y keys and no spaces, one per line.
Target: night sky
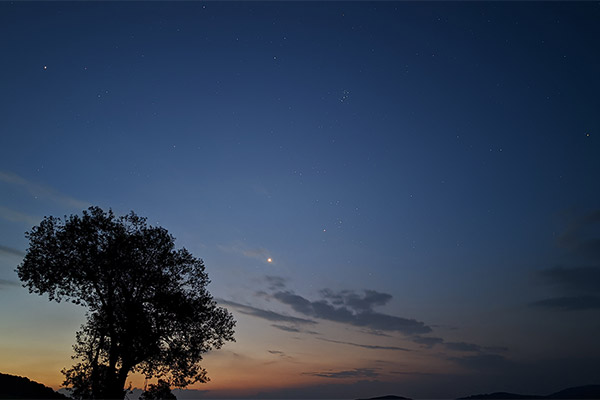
{"x":424,"y":178}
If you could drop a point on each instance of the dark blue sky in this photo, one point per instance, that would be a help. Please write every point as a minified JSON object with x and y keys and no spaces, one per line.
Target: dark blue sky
{"x":438,"y":162}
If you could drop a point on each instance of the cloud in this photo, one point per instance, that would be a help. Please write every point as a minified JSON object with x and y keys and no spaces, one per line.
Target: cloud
{"x":518,"y":377}
{"x":335,"y":389}
{"x":366,"y":302}
{"x":16,"y":216}
{"x":496,"y":349}
{"x":275,"y":282}
{"x":258,"y":253}
{"x":352,"y":373}
{"x":42,"y":191}
{"x":5,"y":283}
{"x":286,"y":328}
{"x":375,"y":333}
{"x":11,"y":251}
{"x":574,"y":279}
{"x":570,"y":303}
{"x":279,"y":356}
{"x":297,"y":302}
{"x":462,"y":346}
{"x":367,"y":346}
{"x":264,"y":314}
{"x":347,"y":307}
{"x":577,"y":287}
{"x":413,"y":373}
{"x":582,"y":236}
{"x":293,"y":329}
{"x":350,"y":307}
{"x":427,"y":341}
{"x":363,"y":316}
{"x":483,"y":362}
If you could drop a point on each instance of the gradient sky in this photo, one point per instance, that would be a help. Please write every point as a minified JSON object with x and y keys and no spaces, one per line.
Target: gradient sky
{"x":424,"y":176}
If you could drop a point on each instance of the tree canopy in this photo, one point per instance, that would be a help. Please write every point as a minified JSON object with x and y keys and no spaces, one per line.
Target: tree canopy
{"x":148,"y":308}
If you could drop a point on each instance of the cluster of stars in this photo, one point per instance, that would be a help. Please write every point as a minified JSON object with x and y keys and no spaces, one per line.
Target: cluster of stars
{"x":345,"y":95}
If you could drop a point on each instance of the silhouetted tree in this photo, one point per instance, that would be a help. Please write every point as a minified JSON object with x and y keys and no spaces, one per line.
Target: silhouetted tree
{"x":148,"y":309}
{"x":159,"y":391}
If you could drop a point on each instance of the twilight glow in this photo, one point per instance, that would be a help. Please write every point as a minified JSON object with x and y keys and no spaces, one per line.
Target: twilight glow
{"x":389,"y":197}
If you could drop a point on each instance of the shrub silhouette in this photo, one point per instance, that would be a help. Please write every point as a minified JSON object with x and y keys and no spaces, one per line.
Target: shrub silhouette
{"x":158,"y":391}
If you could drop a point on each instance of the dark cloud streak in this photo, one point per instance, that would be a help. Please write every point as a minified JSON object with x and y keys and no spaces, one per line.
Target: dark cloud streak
{"x":570,"y":303}
{"x":367,"y":346}
{"x":293,"y":329}
{"x":577,"y":237}
{"x":353,"y":373}
{"x":275,"y":282}
{"x":577,"y":287}
{"x":576,"y":279}
{"x":427,"y":341}
{"x":370,"y":299}
{"x":5,"y":283}
{"x":264,"y":314}
{"x":11,"y":251}
{"x":462,"y":346}
{"x":363,"y":316}
{"x":483,"y":362}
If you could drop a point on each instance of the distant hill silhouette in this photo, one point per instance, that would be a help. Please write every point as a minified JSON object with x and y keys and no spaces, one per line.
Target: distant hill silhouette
{"x":575,"y":393}
{"x":579,"y":392}
{"x":388,"y":397}
{"x":501,"y":395}
{"x":17,"y":387}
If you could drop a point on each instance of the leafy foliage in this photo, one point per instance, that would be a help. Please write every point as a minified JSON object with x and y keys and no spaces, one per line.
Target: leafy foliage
{"x":158,"y":391}
{"x":148,"y":309}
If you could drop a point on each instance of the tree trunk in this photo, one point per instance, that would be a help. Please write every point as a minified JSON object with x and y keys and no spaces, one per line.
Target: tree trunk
{"x":95,"y":372}
{"x":114,"y":393}
{"x":114,"y":387}
{"x":112,"y":384}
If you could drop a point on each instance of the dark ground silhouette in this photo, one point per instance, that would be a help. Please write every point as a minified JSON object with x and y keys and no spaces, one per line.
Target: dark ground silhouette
{"x":18,"y":387}
{"x":578,"y":392}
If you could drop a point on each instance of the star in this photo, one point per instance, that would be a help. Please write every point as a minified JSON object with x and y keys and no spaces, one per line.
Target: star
{"x":269,"y":260}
